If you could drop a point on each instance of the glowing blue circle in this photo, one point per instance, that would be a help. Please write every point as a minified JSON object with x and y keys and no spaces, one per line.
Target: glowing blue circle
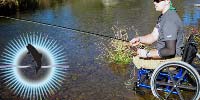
{"x":30,"y":89}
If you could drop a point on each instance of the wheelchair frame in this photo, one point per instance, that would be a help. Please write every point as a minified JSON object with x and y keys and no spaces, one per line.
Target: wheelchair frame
{"x":176,"y":86}
{"x":166,"y":83}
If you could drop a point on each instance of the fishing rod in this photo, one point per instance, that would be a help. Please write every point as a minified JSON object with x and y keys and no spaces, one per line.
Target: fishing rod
{"x":62,"y":27}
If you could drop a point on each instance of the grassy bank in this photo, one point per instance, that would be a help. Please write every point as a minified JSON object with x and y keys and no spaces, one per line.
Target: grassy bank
{"x":11,"y":6}
{"x":9,"y":3}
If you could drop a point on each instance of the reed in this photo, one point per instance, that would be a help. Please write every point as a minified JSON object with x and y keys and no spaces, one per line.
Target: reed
{"x":9,"y":2}
{"x":118,"y":51}
{"x":15,"y":5}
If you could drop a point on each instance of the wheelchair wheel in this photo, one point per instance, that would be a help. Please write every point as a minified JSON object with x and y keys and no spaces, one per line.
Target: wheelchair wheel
{"x":175,"y":80}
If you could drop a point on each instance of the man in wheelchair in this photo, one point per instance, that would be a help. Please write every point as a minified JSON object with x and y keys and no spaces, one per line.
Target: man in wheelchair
{"x":168,"y":35}
{"x":169,"y":76}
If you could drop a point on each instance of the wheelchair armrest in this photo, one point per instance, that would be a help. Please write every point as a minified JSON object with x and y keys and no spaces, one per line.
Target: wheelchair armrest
{"x":198,"y":56}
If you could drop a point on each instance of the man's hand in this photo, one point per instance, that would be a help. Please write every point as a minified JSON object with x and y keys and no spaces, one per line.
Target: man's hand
{"x":142,"y":53}
{"x":135,"y":41}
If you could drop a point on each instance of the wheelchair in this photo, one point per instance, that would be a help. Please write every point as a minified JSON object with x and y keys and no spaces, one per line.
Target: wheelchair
{"x":173,"y":80}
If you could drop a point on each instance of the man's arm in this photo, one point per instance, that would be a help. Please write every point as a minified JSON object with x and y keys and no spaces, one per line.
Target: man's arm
{"x":168,"y":51}
{"x":150,"y":38}
{"x":147,"y":39}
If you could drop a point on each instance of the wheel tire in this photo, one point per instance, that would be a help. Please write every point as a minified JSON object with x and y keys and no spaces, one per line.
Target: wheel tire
{"x":191,"y":70}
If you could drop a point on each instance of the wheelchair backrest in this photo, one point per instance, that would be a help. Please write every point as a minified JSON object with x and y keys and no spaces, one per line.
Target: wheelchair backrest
{"x":190,"y":50}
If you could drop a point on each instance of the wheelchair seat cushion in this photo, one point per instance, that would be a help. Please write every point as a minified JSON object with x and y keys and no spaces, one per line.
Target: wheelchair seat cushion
{"x":151,"y":63}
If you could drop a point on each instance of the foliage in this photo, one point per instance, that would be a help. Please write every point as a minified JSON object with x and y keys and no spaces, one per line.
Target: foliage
{"x":118,"y":50}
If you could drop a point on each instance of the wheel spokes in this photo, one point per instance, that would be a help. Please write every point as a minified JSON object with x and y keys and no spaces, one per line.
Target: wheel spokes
{"x":177,"y":89}
{"x":179,"y":93}
{"x":179,"y":86}
{"x":177,"y":80}
{"x":175,"y":84}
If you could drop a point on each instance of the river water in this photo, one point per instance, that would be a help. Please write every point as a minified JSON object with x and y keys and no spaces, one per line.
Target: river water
{"x":89,"y":78}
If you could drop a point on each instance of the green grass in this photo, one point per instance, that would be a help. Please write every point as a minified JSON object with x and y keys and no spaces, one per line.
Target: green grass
{"x":118,"y":51}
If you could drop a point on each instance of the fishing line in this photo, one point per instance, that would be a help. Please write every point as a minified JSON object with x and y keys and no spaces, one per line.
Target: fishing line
{"x":132,"y":75}
{"x":62,"y":27}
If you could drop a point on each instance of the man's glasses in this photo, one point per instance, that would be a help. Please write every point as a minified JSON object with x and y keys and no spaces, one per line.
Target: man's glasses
{"x":157,"y":1}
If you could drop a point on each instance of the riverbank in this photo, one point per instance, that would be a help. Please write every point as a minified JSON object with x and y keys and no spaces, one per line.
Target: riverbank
{"x":11,"y":6}
{"x":8,"y":5}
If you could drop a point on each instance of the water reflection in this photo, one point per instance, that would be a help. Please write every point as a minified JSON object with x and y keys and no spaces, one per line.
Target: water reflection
{"x":109,"y":2}
{"x":100,"y":19}
{"x":192,"y":17}
{"x":120,"y":69}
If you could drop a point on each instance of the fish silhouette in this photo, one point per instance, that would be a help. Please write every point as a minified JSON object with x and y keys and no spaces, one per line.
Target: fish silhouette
{"x":36,"y":56}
